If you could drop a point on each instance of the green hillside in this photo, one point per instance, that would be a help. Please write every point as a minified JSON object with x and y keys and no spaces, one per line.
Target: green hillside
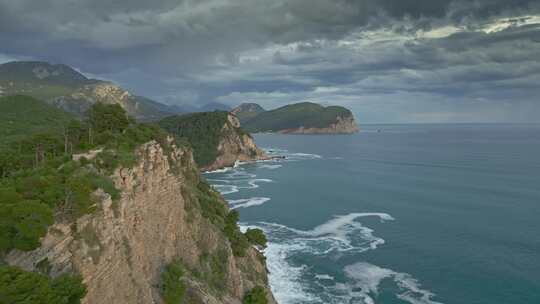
{"x":41,"y":80}
{"x":201,"y":130}
{"x":71,"y":91}
{"x":42,"y":73}
{"x":23,"y":116}
{"x":305,"y":114}
{"x":247,"y":111}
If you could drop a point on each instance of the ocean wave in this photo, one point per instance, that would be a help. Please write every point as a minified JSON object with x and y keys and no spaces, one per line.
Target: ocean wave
{"x":338,"y":235}
{"x":248,"y":202}
{"x":305,"y":155}
{"x":233,"y":186}
{"x":271,"y":167}
{"x":290,"y":156}
{"x":286,"y":280}
{"x":367,"y":278}
{"x":293,"y":283}
{"x":324,"y":277}
{"x":226,"y":189}
{"x":222,"y":170}
{"x":239,"y":173}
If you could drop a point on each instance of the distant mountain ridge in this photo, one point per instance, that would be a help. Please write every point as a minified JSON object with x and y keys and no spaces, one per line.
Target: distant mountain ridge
{"x":247,"y":111}
{"x":299,"y":118}
{"x":68,"y":89}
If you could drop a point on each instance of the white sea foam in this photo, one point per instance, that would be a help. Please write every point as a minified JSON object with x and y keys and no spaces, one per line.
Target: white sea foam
{"x":229,"y":186}
{"x":291,"y":156}
{"x":305,"y":155}
{"x":285,"y":279}
{"x":223,"y":170}
{"x":367,"y":278}
{"x":325,"y":277}
{"x":338,"y":235}
{"x":248,"y":202}
{"x":239,"y":173}
{"x":253,"y":183}
{"x":226,"y":189}
{"x":271,"y":167}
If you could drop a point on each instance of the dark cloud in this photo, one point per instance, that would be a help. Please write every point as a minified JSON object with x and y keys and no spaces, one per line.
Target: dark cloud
{"x":362,"y":53}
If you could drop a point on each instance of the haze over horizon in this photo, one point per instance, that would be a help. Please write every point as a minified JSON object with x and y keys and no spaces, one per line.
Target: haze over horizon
{"x":389,"y":61}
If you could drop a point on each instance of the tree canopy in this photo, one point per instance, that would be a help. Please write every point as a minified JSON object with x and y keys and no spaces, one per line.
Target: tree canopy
{"x":22,"y":287}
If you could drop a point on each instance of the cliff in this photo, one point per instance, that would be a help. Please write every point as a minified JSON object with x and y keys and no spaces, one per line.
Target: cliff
{"x":303,"y":118}
{"x":343,"y":125}
{"x":121,"y":249}
{"x":235,"y":146}
{"x":216,"y":137}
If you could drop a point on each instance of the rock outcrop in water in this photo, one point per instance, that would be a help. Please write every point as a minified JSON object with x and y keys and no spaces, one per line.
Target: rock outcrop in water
{"x":343,"y":125}
{"x":300,"y":118}
{"x":235,"y":146}
{"x":122,"y":248}
{"x":217,"y":138}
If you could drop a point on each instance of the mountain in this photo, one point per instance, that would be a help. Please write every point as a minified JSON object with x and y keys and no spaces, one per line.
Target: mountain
{"x":23,"y":115}
{"x":122,"y":217}
{"x":214,"y":106}
{"x":304,"y":118}
{"x":66,"y":88}
{"x":216,"y":137}
{"x":247,"y":111}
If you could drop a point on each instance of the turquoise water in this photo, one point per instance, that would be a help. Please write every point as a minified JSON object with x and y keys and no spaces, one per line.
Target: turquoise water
{"x":398,"y":214}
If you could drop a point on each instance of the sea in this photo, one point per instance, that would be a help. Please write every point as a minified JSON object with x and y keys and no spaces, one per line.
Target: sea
{"x":417,"y":213}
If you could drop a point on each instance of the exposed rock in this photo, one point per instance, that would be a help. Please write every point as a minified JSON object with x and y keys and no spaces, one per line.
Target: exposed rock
{"x":235,"y":146}
{"x":299,"y":118}
{"x":344,"y":125}
{"x":121,"y":249}
{"x":88,"y":155}
{"x":247,"y":111}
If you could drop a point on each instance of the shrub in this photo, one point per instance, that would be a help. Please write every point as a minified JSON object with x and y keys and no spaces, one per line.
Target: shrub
{"x":255,"y":296}
{"x":202,"y":131}
{"x":172,"y":287}
{"x":239,"y":241}
{"x":256,"y":237}
{"x":22,"y":287}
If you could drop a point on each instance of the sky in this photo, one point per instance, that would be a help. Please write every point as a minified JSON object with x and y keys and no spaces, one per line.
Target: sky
{"x":389,"y":61}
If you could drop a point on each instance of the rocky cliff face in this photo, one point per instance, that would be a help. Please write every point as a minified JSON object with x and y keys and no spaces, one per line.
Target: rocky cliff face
{"x":80,"y":100}
{"x":344,"y":125}
{"x":121,"y":249}
{"x":235,"y":145}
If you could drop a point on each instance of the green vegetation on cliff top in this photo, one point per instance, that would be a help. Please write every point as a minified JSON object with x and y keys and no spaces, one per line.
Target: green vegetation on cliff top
{"x":39,"y":181}
{"x":202,"y":131}
{"x":305,"y":114}
{"x":22,"y":287}
{"x":21,"y":116}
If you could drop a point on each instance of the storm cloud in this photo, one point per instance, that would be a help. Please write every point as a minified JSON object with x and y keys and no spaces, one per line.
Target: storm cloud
{"x":388,"y":60}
